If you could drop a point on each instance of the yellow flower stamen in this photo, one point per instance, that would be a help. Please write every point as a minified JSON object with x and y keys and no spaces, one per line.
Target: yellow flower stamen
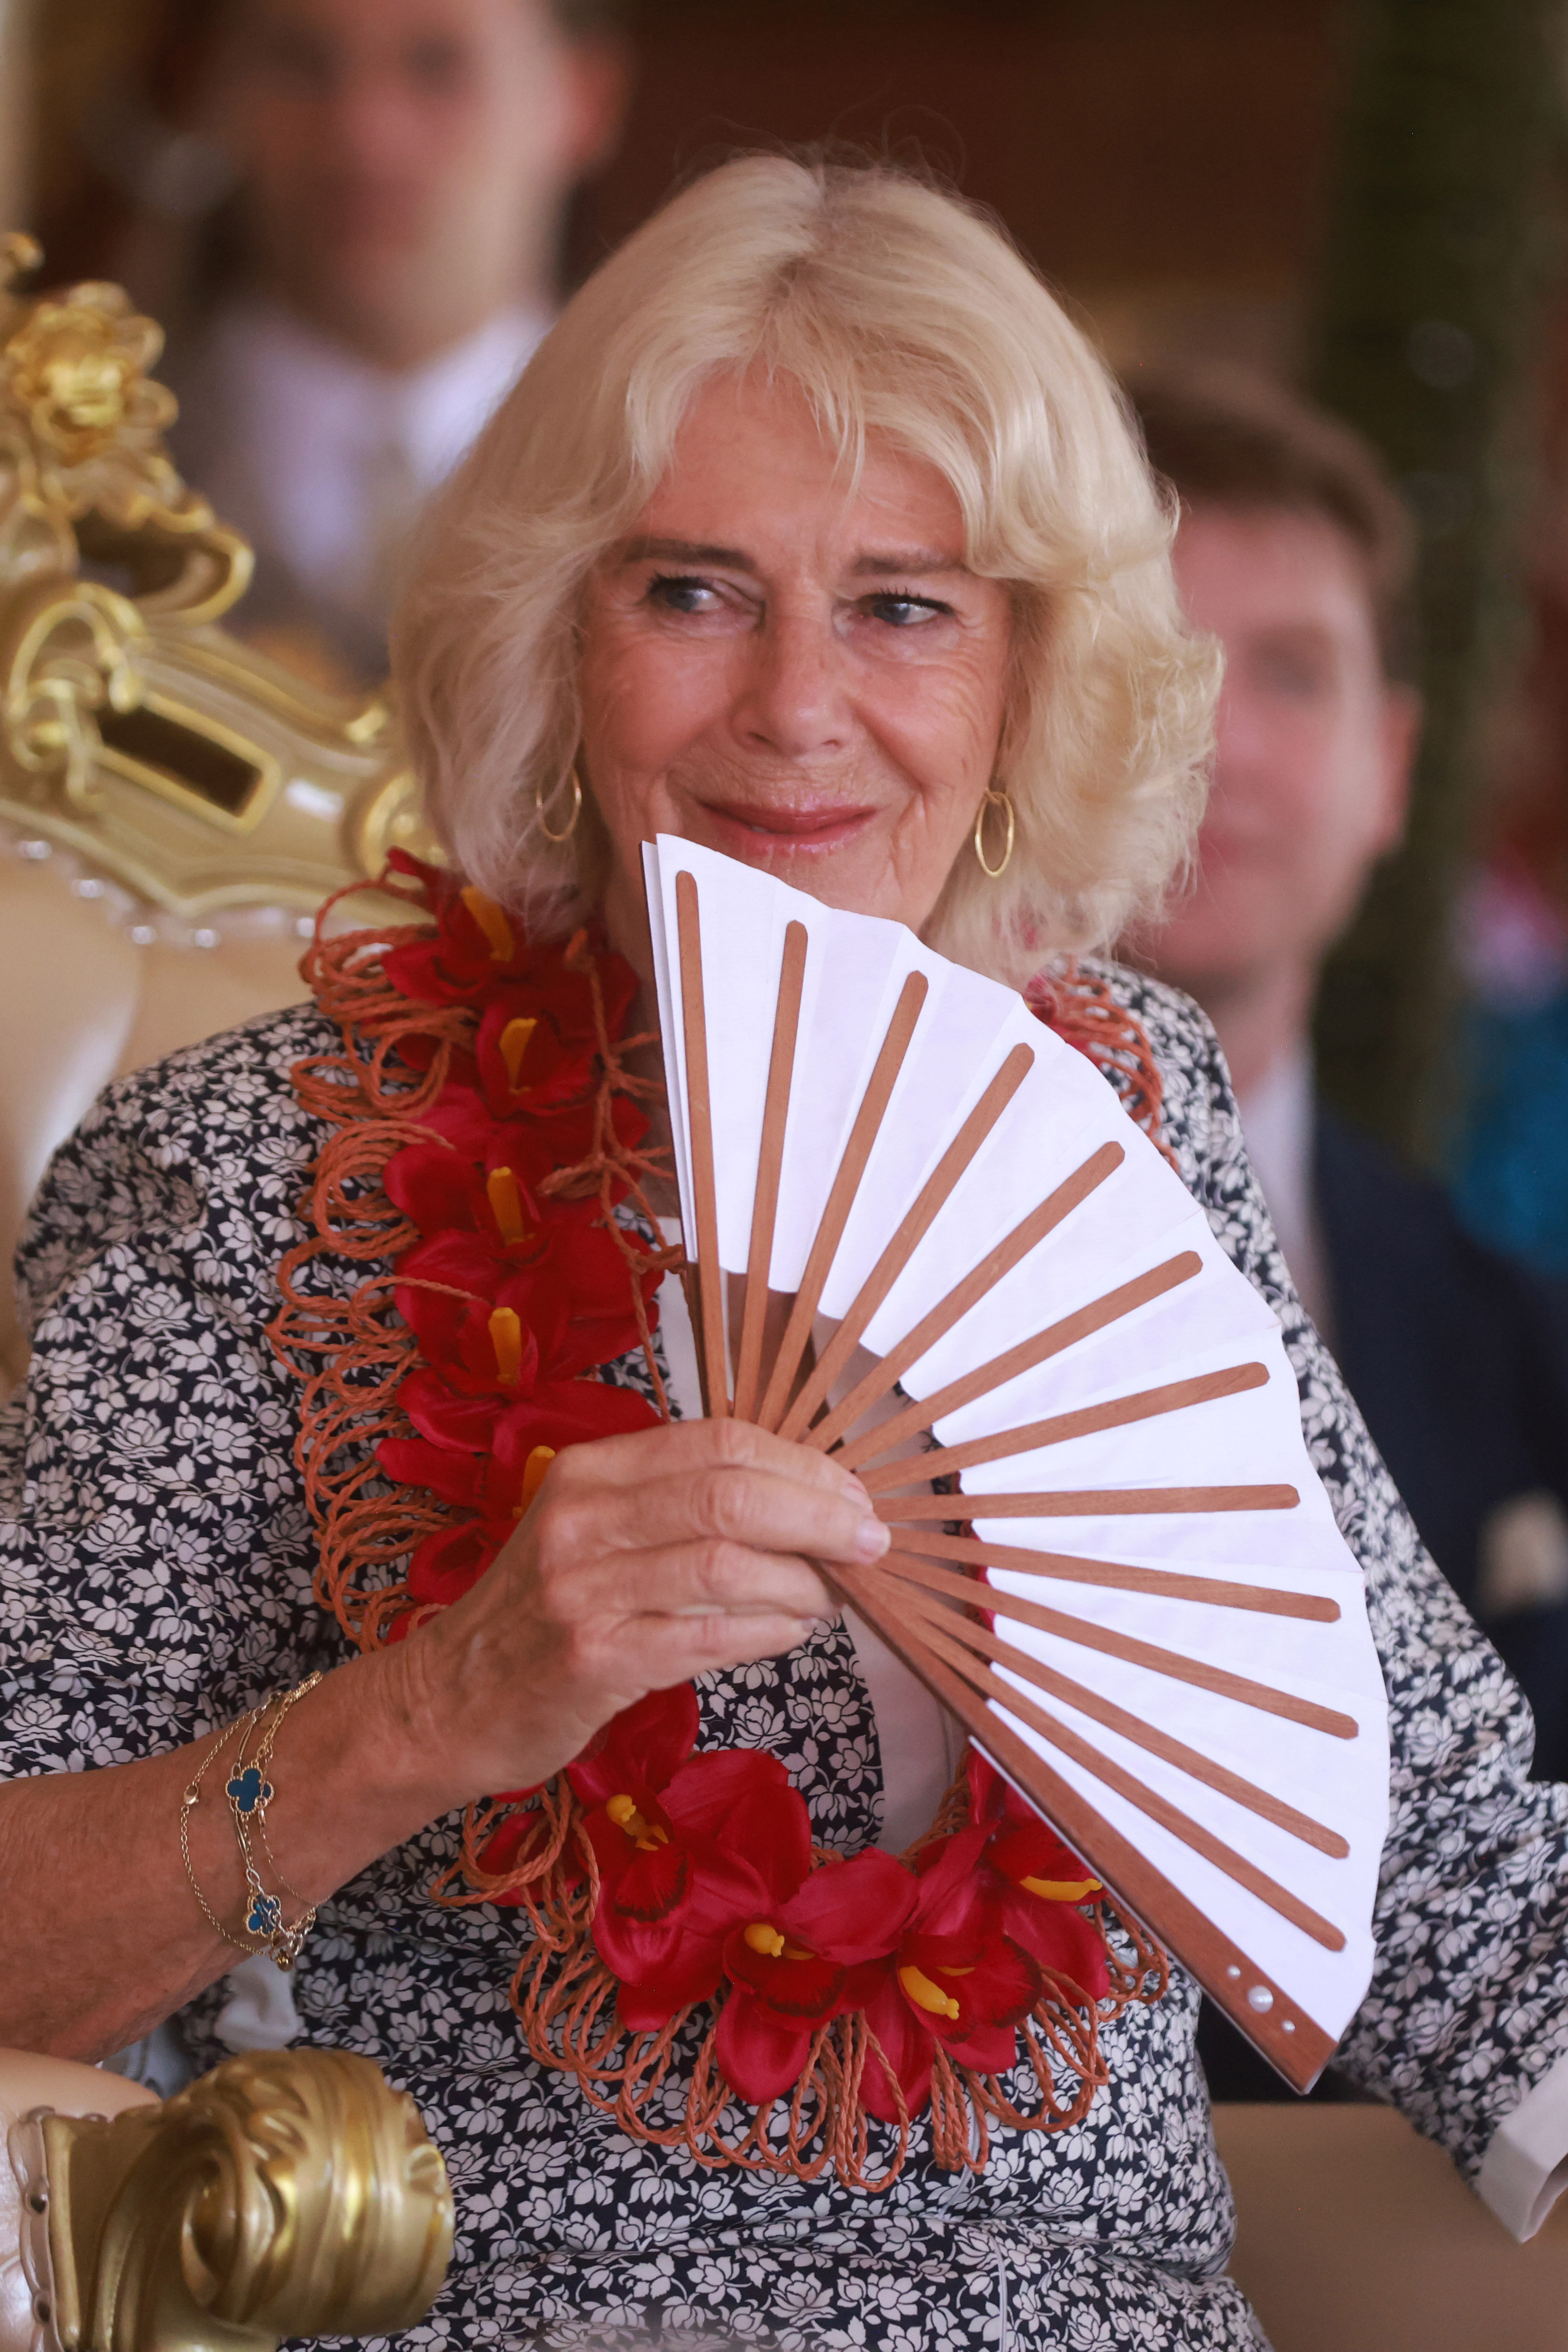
{"x":505,"y":1196}
{"x":533,"y":1470}
{"x":646,"y":1836}
{"x":515,"y":1040}
{"x":506,"y":1339}
{"x":764,"y":1939}
{"x":492,"y":922}
{"x":1061,"y":1890}
{"x":925,"y":1995}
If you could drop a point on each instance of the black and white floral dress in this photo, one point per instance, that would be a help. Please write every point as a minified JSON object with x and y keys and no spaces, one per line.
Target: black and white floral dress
{"x":155,"y":1562}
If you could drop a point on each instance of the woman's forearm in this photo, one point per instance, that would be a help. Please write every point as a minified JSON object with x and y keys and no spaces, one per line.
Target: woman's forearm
{"x":644,"y":1560}
{"x":102,"y":1936}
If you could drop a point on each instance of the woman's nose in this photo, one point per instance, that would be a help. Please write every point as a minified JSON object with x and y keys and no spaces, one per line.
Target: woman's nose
{"x":793,"y":696}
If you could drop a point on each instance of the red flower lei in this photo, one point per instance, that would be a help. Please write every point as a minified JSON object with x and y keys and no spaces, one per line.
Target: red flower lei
{"x":486,"y":1131}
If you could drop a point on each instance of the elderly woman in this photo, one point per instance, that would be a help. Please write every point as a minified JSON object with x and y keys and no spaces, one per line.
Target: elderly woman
{"x":813,"y":534}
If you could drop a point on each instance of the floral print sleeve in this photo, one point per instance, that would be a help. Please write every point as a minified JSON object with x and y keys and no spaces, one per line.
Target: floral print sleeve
{"x":156,"y":1552}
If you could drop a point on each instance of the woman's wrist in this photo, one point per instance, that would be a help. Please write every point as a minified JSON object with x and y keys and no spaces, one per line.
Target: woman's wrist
{"x":443,"y":1746}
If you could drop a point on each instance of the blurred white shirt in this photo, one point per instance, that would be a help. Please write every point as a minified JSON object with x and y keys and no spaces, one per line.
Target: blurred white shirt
{"x":1278,"y":1120}
{"x":323,"y":460}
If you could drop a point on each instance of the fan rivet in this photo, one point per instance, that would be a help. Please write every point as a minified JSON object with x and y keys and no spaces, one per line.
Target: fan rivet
{"x":1260,"y":1999}
{"x":1233,"y":1970}
{"x":1288,"y":2025}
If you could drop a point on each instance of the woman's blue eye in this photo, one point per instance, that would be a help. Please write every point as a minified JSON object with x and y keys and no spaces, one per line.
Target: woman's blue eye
{"x":679,"y":596}
{"x":904,"y":612}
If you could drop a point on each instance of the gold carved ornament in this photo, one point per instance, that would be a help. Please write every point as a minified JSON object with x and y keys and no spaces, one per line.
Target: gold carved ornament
{"x":285,"y":2194}
{"x":136,"y":730}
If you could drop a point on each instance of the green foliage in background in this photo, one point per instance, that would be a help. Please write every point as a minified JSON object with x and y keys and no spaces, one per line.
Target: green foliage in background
{"x":1440,"y":235}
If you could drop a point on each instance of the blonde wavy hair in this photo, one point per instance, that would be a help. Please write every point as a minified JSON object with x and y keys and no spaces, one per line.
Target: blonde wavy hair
{"x":898,"y":310}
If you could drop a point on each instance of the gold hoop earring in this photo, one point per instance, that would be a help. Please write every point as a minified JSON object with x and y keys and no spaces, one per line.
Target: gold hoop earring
{"x":995,"y":796}
{"x":570,"y":827}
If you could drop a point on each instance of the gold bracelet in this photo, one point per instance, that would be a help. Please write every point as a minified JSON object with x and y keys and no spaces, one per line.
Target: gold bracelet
{"x":249,"y":1793}
{"x":192,"y":1797}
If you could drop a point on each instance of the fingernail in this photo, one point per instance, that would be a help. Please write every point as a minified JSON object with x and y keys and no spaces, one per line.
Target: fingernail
{"x":871,"y":1540}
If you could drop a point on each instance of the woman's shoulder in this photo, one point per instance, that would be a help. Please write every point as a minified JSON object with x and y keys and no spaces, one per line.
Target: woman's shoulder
{"x":212,"y":1141}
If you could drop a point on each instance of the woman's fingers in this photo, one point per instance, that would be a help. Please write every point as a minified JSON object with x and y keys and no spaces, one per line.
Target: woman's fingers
{"x":705,"y":1505}
{"x":690,"y":1445}
{"x":669,"y":1650}
{"x":702,"y":1577}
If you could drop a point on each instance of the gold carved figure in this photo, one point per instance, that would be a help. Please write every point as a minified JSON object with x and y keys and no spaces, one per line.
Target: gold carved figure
{"x":289,"y":2193}
{"x":136,"y":731}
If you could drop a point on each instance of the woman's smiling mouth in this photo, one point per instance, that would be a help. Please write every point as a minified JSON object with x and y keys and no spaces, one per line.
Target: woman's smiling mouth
{"x":806,"y":824}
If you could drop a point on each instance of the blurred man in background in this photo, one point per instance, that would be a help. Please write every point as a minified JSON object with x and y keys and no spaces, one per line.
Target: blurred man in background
{"x":1294,"y":550}
{"x":404,"y":168}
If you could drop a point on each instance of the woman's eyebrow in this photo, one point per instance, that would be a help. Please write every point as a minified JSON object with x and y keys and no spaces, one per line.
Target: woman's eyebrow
{"x":684,"y":550}
{"x":882,"y":563}
{"x":888,"y":563}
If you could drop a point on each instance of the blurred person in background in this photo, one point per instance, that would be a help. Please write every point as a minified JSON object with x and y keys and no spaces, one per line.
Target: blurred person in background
{"x":1293,"y":550}
{"x":403,"y":169}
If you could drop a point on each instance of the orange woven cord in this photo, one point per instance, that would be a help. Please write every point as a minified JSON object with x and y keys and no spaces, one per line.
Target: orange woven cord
{"x":1082,"y":1010}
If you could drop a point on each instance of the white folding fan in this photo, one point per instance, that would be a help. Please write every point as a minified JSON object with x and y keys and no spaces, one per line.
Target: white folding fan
{"x":929,"y":1239}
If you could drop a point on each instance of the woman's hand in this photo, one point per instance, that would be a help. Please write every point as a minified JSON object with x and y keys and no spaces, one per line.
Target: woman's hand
{"x":644,"y":1560}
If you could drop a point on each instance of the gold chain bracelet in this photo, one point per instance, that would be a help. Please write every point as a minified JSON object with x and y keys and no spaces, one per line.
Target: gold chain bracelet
{"x":249,"y":1791}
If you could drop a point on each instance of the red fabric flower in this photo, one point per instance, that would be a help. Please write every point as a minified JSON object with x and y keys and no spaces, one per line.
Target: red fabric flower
{"x":515,"y":1326}
{"x":677,"y":1838}
{"x":957,"y":1977}
{"x":533,"y":1149}
{"x":558,"y":1415}
{"x":532,"y":1057}
{"x":1040,"y":1881}
{"x":478,"y":946}
{"x":443,"y":1190}
{"x":450,"y":1562}
{"x":817,"y":1950}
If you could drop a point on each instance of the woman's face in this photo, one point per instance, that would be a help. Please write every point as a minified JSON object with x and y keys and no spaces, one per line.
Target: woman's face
{"x":799,"y":674}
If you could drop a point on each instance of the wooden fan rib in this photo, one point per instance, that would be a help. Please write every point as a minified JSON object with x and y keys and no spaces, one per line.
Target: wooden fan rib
{"x":1294,"y":2042}
{"x":933,"y":1198}
{"x":1198,"y":1671}
{"x":1117,"y":1413}
{"x":1097,"y":1315}
{"x":699,"y":1107}
{"x":1167,"y":1584}
{"x":1291,"y":2041}
{"x":1190,"y":1760}
{"x":770,"y":1162}
{"x":1084,"y":1503}
{"x":991,"y":1687}
{"x":982,"y":1279}
{"x":841,"y":1198}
